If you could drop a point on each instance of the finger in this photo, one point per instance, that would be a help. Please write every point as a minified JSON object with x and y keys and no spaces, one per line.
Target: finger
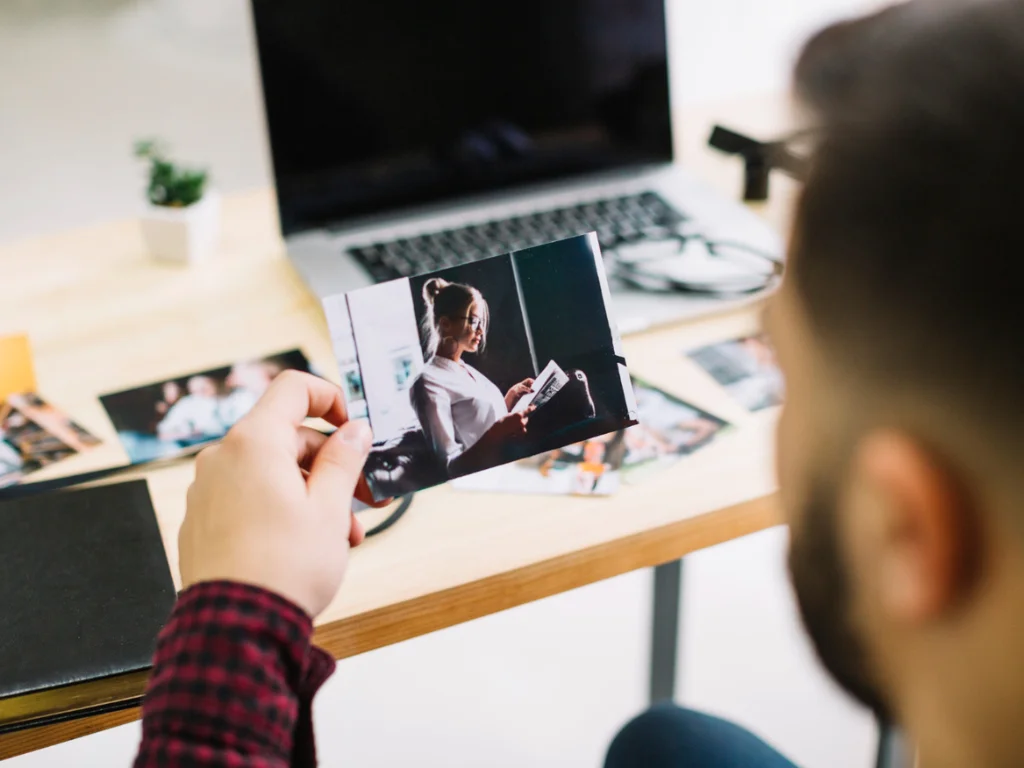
{"x":357,"y":533}
{"x":293,"y":396}
{"x":205,"y":457}
{"x":309,"y":442}
{"x":338,"y":465}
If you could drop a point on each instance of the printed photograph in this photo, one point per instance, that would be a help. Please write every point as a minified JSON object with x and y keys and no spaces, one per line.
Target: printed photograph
{"x":588,"y":468}
{"x":482,"y":364}
{"x":747,"y":369}
{"x":669,"y":428}
{"x":171,"y":417}
{"x":34,"y":434}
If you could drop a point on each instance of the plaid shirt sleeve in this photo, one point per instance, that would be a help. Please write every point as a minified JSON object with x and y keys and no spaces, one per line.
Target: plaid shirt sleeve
{"x":233,"y":681}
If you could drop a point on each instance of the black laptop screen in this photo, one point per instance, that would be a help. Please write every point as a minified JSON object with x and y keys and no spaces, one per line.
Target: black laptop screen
{"x":380,"y":105}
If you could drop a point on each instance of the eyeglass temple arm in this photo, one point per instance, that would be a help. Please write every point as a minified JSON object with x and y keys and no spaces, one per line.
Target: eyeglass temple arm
{"x":760,"y":159}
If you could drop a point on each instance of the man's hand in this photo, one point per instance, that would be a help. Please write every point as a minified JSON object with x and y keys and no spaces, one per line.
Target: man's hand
{"x":272,"y":504}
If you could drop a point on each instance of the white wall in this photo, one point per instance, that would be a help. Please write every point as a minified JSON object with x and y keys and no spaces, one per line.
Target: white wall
{"x":77,"y":89}
{"x":542,"y":685}
{"x":726,"y":49}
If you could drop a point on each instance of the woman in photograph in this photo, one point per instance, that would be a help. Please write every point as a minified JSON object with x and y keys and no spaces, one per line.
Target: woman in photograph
{"x":466,"y":417}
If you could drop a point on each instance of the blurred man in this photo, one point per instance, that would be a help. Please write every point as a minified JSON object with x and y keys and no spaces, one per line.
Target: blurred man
{"x":900,"y":331}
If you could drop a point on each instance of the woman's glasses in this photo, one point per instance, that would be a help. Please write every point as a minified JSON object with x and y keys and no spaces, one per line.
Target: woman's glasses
{"x":474,"y":323}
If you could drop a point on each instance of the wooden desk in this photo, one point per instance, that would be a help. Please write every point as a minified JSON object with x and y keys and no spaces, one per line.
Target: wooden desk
{"x":103,"y":317}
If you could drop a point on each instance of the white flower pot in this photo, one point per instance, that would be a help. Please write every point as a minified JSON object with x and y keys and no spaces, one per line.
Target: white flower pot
{"x":184,"y":235}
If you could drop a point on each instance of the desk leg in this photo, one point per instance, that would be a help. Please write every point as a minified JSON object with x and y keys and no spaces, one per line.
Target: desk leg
{"x":668,"y":582}
{"x":893,"y":750}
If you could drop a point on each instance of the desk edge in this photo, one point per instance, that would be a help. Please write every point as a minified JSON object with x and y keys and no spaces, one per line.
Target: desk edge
{"x":419,"y":616}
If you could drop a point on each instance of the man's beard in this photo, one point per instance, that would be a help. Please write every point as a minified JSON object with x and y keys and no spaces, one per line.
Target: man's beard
{"x":823,"y":594}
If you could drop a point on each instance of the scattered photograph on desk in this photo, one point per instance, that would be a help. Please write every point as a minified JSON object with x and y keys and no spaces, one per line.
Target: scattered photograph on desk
{"x":34,"y":434}
{"x":171,"y":417}
{"x":482,"y":364}
{"x":669,"y":428}
{"x":747,"y":369}
{"x":588,"y":468}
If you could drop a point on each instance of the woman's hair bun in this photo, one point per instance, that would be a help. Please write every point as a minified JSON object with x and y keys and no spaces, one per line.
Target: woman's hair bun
{"x":432,"y":287}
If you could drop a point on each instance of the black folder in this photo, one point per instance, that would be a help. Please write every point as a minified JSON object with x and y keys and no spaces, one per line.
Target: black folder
{"x":84,"y":590}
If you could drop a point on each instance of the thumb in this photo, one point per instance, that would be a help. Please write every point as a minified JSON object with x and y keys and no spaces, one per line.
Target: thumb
{"x":338,"y":464}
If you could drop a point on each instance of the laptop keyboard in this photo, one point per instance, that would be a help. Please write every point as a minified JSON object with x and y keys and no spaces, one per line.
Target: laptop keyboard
{"x":616,"y":220}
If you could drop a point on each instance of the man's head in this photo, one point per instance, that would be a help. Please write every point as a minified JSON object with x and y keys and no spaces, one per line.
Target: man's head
{"x":900,"y":329}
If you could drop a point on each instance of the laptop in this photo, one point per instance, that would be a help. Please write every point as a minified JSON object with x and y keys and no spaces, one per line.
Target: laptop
{"x":409,"y":136}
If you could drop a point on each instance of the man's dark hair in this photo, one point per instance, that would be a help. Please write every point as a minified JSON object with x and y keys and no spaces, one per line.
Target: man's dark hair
{"x":909,"y":235}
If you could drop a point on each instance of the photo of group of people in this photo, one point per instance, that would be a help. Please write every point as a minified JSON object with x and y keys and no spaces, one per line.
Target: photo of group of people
{"x":171,"y":417}
{"x":35,"y":434}
{"x":668,"y":429}
{"x":747,"y":369}
{"x":482,"y":364}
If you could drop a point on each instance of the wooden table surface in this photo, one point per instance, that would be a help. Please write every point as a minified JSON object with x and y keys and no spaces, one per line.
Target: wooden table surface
{"x":103,"y":317}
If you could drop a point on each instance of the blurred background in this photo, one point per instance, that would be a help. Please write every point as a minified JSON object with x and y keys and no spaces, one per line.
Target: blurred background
{"x":546,"y":684}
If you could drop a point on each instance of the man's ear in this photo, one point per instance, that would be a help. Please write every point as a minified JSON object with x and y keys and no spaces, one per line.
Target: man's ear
{"x":915,"y":528}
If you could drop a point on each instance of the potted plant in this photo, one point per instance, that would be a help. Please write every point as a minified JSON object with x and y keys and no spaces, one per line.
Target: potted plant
{"x":181,"y":220}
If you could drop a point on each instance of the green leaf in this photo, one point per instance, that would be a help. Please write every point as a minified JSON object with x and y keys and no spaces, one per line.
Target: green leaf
{"x":168,"y":184}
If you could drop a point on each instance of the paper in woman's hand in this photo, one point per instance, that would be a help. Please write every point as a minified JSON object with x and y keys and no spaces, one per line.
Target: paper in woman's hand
{"x":545,"y":386}
{"x":429,"y":359}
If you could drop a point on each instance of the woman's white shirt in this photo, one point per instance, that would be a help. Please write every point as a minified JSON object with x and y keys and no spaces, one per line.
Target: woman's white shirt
{"x":462,"y":404}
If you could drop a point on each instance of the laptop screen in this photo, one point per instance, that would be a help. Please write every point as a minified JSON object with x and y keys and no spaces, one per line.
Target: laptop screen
{"x":386,"y":104}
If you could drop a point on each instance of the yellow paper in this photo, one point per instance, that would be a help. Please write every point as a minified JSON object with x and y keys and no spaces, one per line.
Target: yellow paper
{"x":16,"y":372}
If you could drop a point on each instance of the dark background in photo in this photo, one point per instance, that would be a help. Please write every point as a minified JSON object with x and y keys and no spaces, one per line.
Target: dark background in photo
{"x":505,"y":359}
{"x":568,"y":319}
{"x":564,"y":306}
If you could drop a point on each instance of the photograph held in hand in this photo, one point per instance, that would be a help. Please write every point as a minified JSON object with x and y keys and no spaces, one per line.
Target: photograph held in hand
{"x":481,"y":364}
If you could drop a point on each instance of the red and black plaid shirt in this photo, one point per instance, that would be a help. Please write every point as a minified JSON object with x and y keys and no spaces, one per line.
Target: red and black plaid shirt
{"x":233,"y":681}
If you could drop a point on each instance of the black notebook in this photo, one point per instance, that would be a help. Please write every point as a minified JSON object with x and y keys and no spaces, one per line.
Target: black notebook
{"x":84,"y":587}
